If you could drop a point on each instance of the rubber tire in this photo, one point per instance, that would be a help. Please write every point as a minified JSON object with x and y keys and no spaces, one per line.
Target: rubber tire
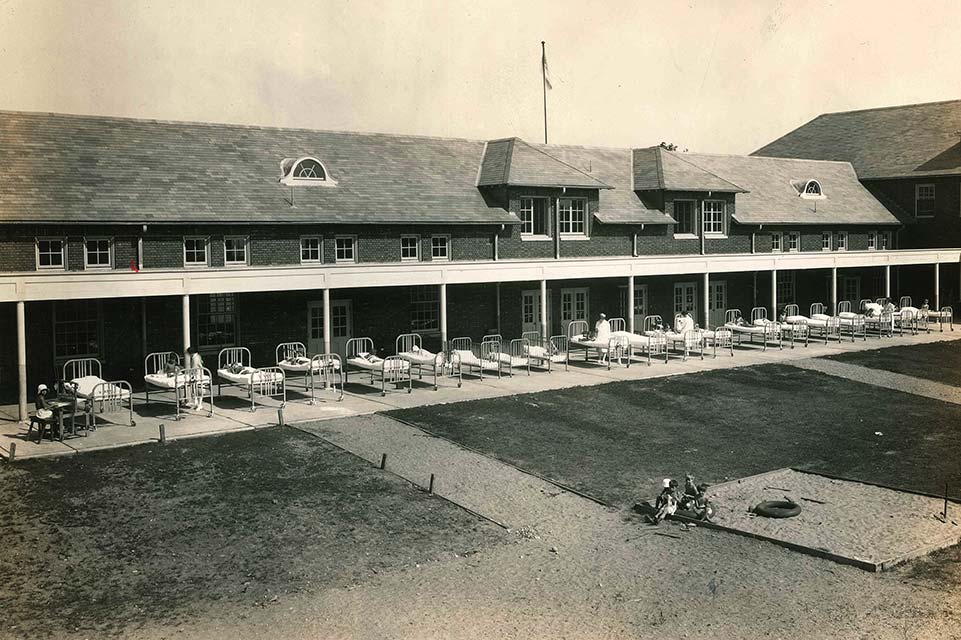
{"x":777,"y":509}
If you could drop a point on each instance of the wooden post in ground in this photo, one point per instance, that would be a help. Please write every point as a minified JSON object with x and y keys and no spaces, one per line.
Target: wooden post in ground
{"x":13,"y":452}
{"x":163,"y":433}
{"x":383,"y":461}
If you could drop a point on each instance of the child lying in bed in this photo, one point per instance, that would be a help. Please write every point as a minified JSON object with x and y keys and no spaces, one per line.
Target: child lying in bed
{"x":239,"y":369}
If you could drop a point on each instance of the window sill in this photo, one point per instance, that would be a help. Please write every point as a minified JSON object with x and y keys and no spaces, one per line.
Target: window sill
{"x":345,"y":262}
{"x":715,"y":236}
{"x":409,"y":260}
{"x":196,"y":266}
{"x":439,"y":259}
{"x":685,"y":236}
{"x":46,"y":268}
{"x":308,"y":263}
{"x":236,"y":265}
{"x":537,"y":238}
{"x":574,"y":237}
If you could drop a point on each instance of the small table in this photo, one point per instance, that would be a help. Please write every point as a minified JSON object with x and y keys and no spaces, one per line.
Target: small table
{"x":57,"y":406}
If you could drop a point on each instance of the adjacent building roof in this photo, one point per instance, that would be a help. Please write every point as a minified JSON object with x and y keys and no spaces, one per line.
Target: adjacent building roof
{"x":771,"y":196}
{"x":890,"y":142}
{"x":657,"y":168}
{"x":513,"y":162}
{"x":59,"y":168}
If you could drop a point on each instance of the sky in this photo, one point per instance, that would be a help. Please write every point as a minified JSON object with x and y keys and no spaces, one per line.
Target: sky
{"x":715,"y":77}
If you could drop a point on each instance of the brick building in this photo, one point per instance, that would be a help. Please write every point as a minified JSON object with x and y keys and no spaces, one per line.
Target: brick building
{"x":122,"y":237}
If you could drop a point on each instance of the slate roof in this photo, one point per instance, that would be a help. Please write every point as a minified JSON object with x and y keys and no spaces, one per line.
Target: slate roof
{"x":890,"y":142}
{"x":771,"y":198}
{"x":657,"y":168}
{"x":84,"y":169}
{"x":514,"y":162}
{"x":620,"y":205}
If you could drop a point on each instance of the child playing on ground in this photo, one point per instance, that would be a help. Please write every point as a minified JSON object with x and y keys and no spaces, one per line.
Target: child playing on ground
{"x":702,"y":507}
{"x":690,"y":493}
{"x":666,"y":503}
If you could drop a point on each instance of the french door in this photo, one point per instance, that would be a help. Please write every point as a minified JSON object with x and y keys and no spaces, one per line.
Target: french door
{"x":640,"y":304}
{"x":341,"y":326}
{"x":575,"y":305}
{"x":531,"y":311}
{"x":717,"y":298}
{"x":685,"y":299}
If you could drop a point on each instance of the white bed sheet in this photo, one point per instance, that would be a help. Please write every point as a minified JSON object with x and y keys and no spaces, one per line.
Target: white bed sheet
{"x":248,"y":376}
{"x":421,"y":357}
{"x":467,"y":358}
{"x":302,"y":365}
{"x":85,"y":388}
{"x":163,"y":381}
{"x":378,"y":364}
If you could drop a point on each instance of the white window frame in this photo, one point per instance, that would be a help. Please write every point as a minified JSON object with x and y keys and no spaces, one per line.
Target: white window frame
{"x":571,"y":223}
{"x":86,"y":253}
{"x":723,"y":222}
{"x":416,"y":256}
{"x":918,"y":188}
{"x":246,"y":245}
{"x":841,"y":241}
{"x":353,"y":250}
{"x":320,"y":250}
{"x":793,"y":238}
{"x":446,"y":238}
{"x":693,"y":232}
{"x":777,"y":242}
{"x":827,"y":240}
{"x":290,"y":178}
{"x":63,"y":254}
{"x":59,"y":322}
{"x":786,"y":286}
{"x":531,"y":235}
{"x":885,"y":240}
{"x":206,"y":262}
{"x":425,"y":306}
{"x":872,"y":240}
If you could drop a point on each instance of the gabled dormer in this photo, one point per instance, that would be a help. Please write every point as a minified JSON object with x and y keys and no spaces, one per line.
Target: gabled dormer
{"x":511,"y":162}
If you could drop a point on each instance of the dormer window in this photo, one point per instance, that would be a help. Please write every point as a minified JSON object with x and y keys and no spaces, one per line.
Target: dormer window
{"x":809,"y":190}
{"x":304,"y":171}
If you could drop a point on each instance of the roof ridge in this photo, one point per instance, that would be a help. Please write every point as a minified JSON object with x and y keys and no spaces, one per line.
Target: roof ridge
{"x":566,"y":164}
{"x":887,"y":108}
{"x":697,"y":166}
{"x":778,"y":158}
{"x":510,"y":156}
{"x":658,"y":165}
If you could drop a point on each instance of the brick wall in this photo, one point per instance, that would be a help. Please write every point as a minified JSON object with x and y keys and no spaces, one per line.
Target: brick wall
{"x":941,"y":230}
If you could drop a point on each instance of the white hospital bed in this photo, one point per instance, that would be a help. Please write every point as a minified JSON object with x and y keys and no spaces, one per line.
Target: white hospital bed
{"x":817,"y":323}
{"x":84,"y":378}
{"x":234,"y":369}
{"x":850,"y":322}
{"x":876,"y":318}
{"x":410,"y":347}
{"x":391,"y":370}
{"x":766,"y":330}
{"x":543,"y":353}
{"x":321,"y":368}
{"x":617,"y":345}
{"x":686,"y":341}
{"x":184,"y":384}
{"x":482,"y":358}
{"x":515,"y":356}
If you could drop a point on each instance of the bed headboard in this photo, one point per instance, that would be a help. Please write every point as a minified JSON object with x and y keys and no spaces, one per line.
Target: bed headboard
{"x":533,"y":337}
{"x":576,"y":328}
{"x":80,"y":367}
{"x":881,"y":301}
{"x":233,"y":355}
{"x":862,"y":305}
{"x":493,"y":337}
{"x":905,"y":301}
{"x":618,"y":324}
{"x":520,"y":347}
{"x":844,"y":306}
{"x":490,"y":347}
{"x":287,"y":350}
{"x":792,"y":310}
{"x":758,"y":313}
{"x":732,"y":315}
{"x":817,"y":307}
{"x":651,"y":322}
{"x":558,"y":344}
{"x":463,"y":343}
{"x":157,"y":361}
{"x":358,"y":345}
{"x":406,"y":342}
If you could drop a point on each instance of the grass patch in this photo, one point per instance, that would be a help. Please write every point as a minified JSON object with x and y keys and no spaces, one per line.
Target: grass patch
{"x":103,"y":541}
{"x":937,"y":361}
{"x":616,"y":441}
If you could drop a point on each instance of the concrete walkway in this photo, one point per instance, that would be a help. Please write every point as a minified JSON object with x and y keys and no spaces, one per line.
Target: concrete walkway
{"x":882,"y":378}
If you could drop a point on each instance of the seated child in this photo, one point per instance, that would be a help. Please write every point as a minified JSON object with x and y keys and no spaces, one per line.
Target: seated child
{"x":702,"y":507}
{"x":171,"y":367}
{"x":690,"y":493}
{"x":666,"y":503}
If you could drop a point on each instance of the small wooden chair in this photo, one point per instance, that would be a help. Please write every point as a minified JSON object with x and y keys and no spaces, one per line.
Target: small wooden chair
{"x":44,"y":424}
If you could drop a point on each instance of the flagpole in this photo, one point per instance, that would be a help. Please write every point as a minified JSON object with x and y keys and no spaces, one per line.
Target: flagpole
{"x":544,"y":78}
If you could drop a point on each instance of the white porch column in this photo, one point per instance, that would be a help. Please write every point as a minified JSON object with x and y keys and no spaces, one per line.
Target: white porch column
{"x":544,"y":333}
{"x":630,"y":303}
{"x":937,"y":286}
{"x":186,"y":321}
{"x":326,"y":320}
{"x":22,"y":361}
{"x":773,"y":294}
{"x":887,"y":281}
{"x":834,"y":290}
{"x":443,"y":314}
{"x":706,"y":298}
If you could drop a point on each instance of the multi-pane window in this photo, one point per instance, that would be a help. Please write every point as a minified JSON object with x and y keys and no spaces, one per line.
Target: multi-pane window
{"x":76,"y":329}
{"x":850,"y":288}
{"x":528,"y":309}
{"x":785,"y":286}
{"x":424,"y":308}
{"x":573,"y":216}
{"x":841,"y":241}
{"x":345,"y":249}
{"x":440,"y":247}
{"x":924,"y":200}
{"x":216,"y":324}
{"x":776,"y":242}
{"x":713,"y":217}
{"x":825,"y":241}
{"x":872,"y":240}
{"x":534,"y":217}
{"x":310,"y":249}
{"x":51,"y":253}
{"x":794,"y":241}
{"x":410,"y":248}
{"x":885,"y":238}
{"x":195,"y":252}
{"x":684,"y":214}
{"x":235,"y":251}
{"x":97,"y":252}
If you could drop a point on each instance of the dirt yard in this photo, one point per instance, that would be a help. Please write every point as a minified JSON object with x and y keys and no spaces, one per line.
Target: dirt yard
{"x":940,"y":361}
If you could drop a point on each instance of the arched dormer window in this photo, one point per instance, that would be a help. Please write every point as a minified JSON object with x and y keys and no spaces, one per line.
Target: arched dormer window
{"x":809,"y":190}
{"x":305,"y":171}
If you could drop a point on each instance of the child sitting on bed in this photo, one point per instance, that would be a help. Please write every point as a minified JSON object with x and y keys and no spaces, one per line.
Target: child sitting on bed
{"x":171,"y":367}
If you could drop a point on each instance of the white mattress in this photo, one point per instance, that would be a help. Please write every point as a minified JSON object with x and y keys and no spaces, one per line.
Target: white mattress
{"x":638,"y":340}
{"x":86,"y":385}
{"x":467,"y":358}
{"x":512,"y":361}
{"x":302,"y":365}
{"x":249,"y":376}
{"x":748,"y":328}
{"x":582,"y":341}
{"x":164,"y":381}
{"x":540,"y":354}
{"x":379,"y":364}
{"x":421,"y":356}
{"x":939,"y":314}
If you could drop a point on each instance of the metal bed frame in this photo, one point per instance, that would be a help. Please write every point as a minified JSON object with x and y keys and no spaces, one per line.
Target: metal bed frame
{"x":268,"y":386}
{"x":832,"y":328}
{"x":482,"y":352}
{"x":881,"y":324}
{"x":184,"y":379}
{"x":616,"y":346}
{"x":856,"y":325}
{"x":552,"y":347}
{"x":323,"y":367}
{"x":794,"y":331}
{"x":443,"y":362}
{"x":107,"y":395}
{"x":393,"y":369}
{"x":731,"y":316}
{"x":517,"y":348}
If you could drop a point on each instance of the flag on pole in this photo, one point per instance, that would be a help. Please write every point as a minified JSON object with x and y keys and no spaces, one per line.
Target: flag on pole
{"x":547,"y":71}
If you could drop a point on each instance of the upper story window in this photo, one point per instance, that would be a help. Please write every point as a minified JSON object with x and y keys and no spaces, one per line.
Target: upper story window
{"x":776,"y":241}
{"x":841,"y":241}
{"x":311,"y":249}
{"x":924,"y":200}
{"x":98,"y":253}
{"x":811,"y":190}
{"x":51,"y":253}
{"x":345,"y":249}
{"x":573,"y":216}
{"x":410,"y":248}
{"x":684,"y":214}
{"x":195,"y":252}
{"x":825,"y":241}
{"x":872,"y":240}
{"x":440,"y":247}
{"x":794,"y":241}
{"x":534,"y":217}
{"x":305,"y":171}
{"x":885,"y":239}
{"x":713,"y":217}
{"x":235,"y":251}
